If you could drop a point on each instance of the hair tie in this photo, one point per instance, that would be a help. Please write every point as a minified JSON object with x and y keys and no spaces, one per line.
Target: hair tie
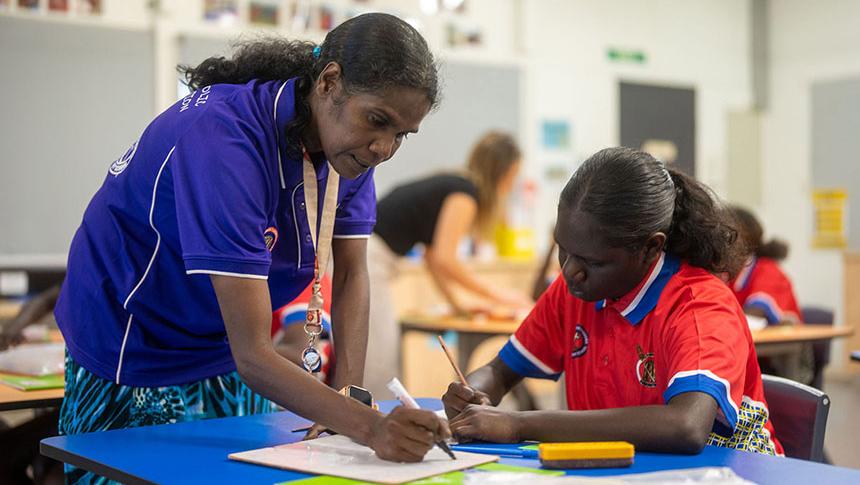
{"x":317,"y":51}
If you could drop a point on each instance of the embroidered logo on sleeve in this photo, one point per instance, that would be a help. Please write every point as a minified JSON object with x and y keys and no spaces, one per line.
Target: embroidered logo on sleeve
{"x":122,"y":162}
{"x":580,"y":342}
{"x":271,"y":238}
{"x":645,"y":368}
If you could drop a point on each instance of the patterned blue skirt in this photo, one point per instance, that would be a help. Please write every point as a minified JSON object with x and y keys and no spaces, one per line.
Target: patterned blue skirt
{"x":95,"y":404}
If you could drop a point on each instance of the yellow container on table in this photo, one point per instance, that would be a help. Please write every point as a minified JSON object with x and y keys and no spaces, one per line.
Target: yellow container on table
{"x":515,"y":242}
{"x":597,"y":454}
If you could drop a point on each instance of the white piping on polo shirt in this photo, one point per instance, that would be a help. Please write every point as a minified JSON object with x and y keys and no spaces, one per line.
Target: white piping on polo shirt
{"x":651,"y":278}
{"x":531,"y":357}
{"x":711,"y":375}
{"x":296,"y":225}
{"x":148,"y":266}
{"x":227,"y":273}
{"x":351,"y":236}
{"x":277,"y":137}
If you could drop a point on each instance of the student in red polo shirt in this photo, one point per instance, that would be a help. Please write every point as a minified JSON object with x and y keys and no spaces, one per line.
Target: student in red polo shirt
{"x":654,"y":348}
{"x":765,"y":291}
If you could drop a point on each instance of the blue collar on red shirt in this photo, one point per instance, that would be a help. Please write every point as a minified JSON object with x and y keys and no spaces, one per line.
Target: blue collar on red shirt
{"x":743,"y":277}
{"x":636,"y":304}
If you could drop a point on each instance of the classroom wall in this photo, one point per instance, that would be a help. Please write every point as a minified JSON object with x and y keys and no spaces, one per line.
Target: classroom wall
{"x":703,"y":44}
{"x":810,"y":42}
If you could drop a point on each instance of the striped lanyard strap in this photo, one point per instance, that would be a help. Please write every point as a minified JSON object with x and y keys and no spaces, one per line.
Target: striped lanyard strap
{"x":322,"y":249}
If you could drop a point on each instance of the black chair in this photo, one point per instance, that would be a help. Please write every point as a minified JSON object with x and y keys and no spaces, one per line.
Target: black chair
{"x":820,"y":350}
{"x":799,"y":416}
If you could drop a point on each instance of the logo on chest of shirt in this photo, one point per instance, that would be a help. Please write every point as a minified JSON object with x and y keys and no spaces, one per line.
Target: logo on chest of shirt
{"x":271,"y":238}
{"x":645,"y":368}
{"x":580,"y":342}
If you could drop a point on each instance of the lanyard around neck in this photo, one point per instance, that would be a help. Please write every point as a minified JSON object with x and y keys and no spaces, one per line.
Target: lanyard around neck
{"x":321,"y":243}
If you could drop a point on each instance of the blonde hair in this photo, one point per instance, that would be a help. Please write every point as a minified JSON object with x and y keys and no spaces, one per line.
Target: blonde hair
{"x":491,"y":159}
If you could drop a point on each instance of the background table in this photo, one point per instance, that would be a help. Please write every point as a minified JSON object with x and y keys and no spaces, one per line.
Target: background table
{"x":11,"y":398}
{"x":471,"y":332}
{"x":196,"y":452}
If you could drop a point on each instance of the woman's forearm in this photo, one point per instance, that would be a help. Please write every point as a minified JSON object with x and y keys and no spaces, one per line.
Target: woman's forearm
{"x":285,"y":383}
{"x":447,"y":269}
{"x":350,"y":310}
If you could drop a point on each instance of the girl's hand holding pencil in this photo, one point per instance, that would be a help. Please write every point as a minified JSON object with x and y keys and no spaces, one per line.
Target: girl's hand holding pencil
{"x":459,"y":394}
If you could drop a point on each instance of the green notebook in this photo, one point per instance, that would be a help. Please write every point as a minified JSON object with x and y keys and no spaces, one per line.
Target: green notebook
{"x":33,"y":383}
{"x":453,"y":478}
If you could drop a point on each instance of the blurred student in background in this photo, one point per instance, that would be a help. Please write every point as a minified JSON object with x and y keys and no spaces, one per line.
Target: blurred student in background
{"x":289,"y":337}
{"x":766,"y":294}
{"x":439,"y":212}
{"x":761,"y":287}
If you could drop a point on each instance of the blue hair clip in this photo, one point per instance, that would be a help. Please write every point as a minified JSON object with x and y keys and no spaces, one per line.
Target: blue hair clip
{"x":317,"y":51}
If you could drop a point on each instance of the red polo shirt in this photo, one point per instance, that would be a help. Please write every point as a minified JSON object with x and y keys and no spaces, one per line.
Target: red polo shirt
{"x":762,"y":284}
{"x":680,"y":330}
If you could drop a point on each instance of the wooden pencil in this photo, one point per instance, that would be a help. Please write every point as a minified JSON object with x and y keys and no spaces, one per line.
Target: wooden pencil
{"x":451,"y":360}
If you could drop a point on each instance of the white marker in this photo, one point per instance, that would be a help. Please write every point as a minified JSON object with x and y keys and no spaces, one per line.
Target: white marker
{"x":400,"y":393}
{"x":406,"y":400}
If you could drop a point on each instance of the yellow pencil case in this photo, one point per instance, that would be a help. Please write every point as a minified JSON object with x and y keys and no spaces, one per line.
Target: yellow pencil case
{"x":597,"y":454}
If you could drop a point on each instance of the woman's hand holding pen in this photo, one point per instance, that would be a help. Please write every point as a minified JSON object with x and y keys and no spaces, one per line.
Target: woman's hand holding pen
{"x":406,"y":435}
{"x":459,"y":396}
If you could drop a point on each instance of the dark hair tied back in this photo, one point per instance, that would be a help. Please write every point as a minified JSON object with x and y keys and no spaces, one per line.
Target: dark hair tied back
{"x":632,"y":196}
{"x":375,"y":51}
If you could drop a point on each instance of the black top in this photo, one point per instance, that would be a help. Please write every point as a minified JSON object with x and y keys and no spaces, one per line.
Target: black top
{"x":408,"y":214}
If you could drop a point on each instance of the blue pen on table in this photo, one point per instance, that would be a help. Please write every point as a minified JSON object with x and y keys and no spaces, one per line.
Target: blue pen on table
{"x":400,"y":393}
{"x":497,"y":449}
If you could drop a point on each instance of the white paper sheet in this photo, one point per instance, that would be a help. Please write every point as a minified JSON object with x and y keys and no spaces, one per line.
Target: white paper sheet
{"x":339,"y":456}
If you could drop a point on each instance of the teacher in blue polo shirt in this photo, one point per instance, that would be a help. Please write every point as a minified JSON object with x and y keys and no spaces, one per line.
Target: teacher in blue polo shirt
{"x":226,"y":206}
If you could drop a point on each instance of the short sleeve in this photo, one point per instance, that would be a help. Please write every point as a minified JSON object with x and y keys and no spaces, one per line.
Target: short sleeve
{"x":771,"y":291}
{"x":707,"y":350}
{"x":222,"y":187}
{"x":356,"y":213}
{"x":535,"y":349}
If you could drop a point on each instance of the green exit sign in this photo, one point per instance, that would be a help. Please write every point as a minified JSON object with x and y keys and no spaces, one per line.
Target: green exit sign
{"x":626,"y":55}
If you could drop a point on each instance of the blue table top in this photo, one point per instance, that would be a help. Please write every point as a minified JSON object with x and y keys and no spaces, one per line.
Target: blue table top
{"x":196,"y":452}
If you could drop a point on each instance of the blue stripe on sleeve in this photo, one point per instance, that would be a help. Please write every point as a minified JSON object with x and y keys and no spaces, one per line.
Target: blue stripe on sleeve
{"x":521,"y":364}
{"x":770,"y":313}
{"x":711,"y":387}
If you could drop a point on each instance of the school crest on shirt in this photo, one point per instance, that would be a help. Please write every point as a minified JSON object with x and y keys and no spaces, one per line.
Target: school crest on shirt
{"x":271,"y":238}
{"x":580,"y":342}
{"x":645,"y":368}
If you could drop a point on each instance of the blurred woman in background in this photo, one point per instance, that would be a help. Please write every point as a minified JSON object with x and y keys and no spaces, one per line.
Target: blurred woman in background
{"x":439,"y":212}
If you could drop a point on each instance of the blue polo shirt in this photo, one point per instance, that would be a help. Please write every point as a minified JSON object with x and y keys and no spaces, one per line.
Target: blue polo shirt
{"x":209,"y":188}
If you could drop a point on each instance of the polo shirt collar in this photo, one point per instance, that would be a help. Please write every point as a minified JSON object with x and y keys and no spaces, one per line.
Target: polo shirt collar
{"x":639,"y":302}
{"x":284,"y":112}
{"x":743,"y":277}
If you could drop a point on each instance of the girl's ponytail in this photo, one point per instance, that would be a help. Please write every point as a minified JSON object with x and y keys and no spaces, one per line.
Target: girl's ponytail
{"x":702,"y":231}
